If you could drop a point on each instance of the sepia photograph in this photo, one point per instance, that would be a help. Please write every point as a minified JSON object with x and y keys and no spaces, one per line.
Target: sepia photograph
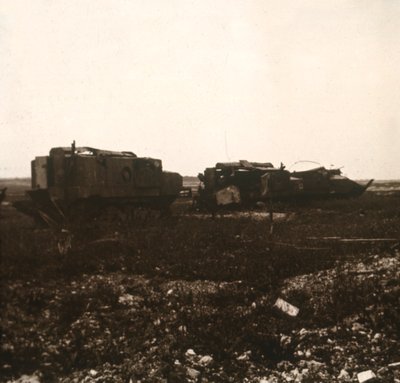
{"x":199,"y":191}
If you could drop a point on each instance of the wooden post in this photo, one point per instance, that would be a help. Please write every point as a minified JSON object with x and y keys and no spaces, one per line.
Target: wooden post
{"x":271,"y":222}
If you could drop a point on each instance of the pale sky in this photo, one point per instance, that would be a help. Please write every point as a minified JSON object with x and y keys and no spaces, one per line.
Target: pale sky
{"x":198,"y":82}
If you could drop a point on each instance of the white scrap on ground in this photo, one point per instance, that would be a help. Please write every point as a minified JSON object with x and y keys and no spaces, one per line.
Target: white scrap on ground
{"x":26,"y":379}
{"x":343,"y":375}
{"x":126,"y":299}
{"x":365,"y":376}
{"x":286,"y":307}
{"x":190,"y":352}
{"x":93,"y":372}
{"x":206,"y":360}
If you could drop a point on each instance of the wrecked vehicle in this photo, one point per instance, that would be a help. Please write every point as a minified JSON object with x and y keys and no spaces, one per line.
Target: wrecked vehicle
{"x":323,"y":183}
{"x":245,"y":183}
{"x":84,"y":181}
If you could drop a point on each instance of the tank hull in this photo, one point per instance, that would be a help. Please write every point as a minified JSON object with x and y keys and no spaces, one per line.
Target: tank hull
{"x":246,"y":183}
{"x":79,"y":182}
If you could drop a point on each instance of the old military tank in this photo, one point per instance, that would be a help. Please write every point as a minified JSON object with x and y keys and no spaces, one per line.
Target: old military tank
{"x":245,"y":183}
{"x":72,"y":183}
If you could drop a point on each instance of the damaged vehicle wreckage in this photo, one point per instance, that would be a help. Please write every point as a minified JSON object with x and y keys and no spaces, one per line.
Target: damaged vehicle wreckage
{"x":73,"y":184}
{"x":83,"y":182}
{"x":247,"y":183}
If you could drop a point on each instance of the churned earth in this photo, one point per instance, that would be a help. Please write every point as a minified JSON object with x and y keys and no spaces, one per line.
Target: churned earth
{"x":183,"y":299}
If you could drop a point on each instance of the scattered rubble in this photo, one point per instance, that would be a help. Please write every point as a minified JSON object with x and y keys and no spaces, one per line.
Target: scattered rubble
{"x":200,"y":307}
{"x":27,"y":379}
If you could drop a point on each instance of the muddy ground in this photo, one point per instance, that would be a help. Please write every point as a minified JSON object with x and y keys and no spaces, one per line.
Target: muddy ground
{"x":188,"y":298}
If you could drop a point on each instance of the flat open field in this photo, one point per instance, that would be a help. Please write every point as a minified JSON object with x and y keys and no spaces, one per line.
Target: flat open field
{"x":189,"y":298}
